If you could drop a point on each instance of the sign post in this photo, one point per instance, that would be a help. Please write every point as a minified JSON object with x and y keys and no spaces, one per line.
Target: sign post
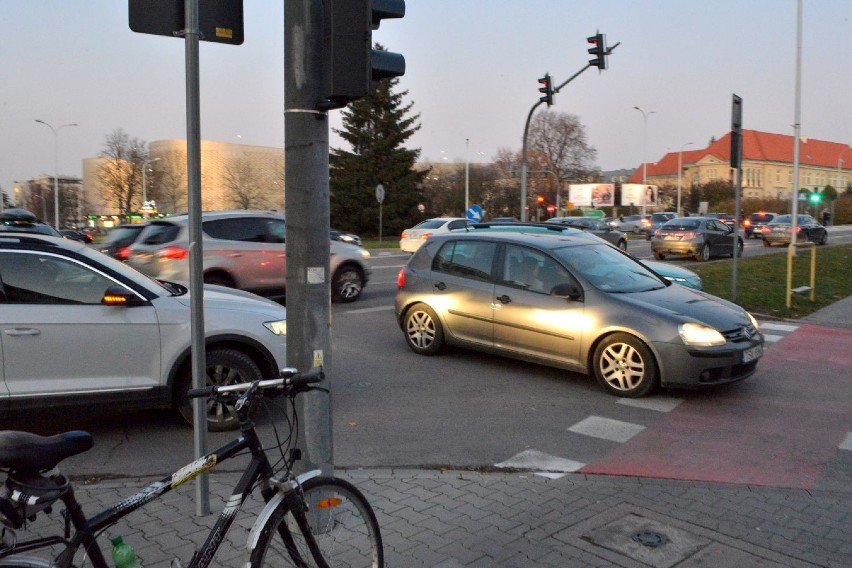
{"x":380,"y":197}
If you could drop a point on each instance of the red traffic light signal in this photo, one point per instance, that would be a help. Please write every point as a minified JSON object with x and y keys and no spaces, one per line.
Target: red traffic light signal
{"x":598,"y":49}
{"x":539,"y":199}
{"x":546,"y":88}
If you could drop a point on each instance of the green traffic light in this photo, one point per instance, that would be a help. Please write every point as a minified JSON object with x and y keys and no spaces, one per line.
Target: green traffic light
{"x":815,"y":198}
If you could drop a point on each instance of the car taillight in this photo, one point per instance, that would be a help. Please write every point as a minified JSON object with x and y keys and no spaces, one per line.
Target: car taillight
{"x":425,"y":236}
{"x":404,"y":235}
{"x":400,"y":278}
{"x":173,"y":253}
{"x":646,"y":223}
{"x":746,"y":223}
{"x":123,"y":253}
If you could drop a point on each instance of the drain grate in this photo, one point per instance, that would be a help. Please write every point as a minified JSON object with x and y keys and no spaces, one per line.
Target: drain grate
{"x":651,"y":539}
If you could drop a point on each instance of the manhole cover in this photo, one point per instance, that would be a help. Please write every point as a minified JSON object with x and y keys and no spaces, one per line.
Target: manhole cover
{"x":650,"y":539}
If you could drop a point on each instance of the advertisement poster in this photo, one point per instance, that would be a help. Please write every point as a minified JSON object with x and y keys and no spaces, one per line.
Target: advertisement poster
{"x":633,"y":193}
{"x":591,"y":194}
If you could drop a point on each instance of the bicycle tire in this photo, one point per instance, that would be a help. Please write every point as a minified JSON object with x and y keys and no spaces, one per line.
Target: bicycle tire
{"x":349,"y":537}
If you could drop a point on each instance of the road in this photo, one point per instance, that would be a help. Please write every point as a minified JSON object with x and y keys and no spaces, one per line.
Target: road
{"x":462,"y":409}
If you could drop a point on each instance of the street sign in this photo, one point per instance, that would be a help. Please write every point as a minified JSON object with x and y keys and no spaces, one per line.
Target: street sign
{"x":597,"y":213}
{"x":380,"y":193}
{"x":219,"y":21}
{"x":474,"y":213}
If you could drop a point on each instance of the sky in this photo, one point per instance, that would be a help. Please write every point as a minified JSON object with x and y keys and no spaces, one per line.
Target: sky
{"x":472,"y":76}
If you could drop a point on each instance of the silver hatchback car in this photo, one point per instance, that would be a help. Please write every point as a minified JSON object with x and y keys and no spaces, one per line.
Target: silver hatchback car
{"x":242,"y":249}
{"x":570,"y":302}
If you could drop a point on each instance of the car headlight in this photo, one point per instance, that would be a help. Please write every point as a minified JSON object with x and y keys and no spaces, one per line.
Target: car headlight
{"x":699,"y":335}
{"x":277,"y":327}
{"x":753,"y":321}
{"x":365,"y":254}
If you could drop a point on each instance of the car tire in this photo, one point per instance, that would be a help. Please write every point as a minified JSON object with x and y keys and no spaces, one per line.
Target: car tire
{"x":624,"y":366}
{"x":219,"y":279}
{"x":423,"y":332}
{"x":659,"y":256}
{"x":704,"y":254}
{"x":766,"y":243}
{"x":224,"y":367}
{"x":823,"y":238}
{"x":622,"y":244}
{"x":347,"y":284}
{"x":738,"y":253}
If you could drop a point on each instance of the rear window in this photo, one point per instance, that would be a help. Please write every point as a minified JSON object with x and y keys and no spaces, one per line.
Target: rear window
{"x":682,"y":225}
{"x":760,"y":217}
{"x":431,"y":224}
{"x":158,"y":234}
{"x":123,"y":234}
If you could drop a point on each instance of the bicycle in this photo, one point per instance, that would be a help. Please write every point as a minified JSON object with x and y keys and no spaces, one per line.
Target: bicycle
{"x":308,"y":520}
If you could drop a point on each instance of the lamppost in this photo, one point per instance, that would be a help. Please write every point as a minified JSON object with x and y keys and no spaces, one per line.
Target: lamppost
{"x":56,"y":167}
{"x":679,"y":174}
{"x":466,"y":176}
{"x":644,"y":159}
{"x":144,"y":179}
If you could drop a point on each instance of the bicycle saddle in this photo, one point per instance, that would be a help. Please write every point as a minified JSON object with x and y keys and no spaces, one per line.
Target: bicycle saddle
{"x":26,"y":452}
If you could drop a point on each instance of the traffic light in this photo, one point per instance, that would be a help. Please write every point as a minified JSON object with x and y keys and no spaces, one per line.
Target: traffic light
{"x":598,"y":49}
{"x":539,"y":199}
{"x":815,"y":197}
{"x":351,"y":67}
{"x":546,"y":89}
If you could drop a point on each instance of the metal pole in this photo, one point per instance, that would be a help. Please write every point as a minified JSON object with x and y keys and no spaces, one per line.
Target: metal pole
{"x":680,"y":175}
{"x":306,"y":132}
{"x":56,"y":168}
{"x":196,"y":252}
{"x":466,"y":176}
{"x":644,"y":158}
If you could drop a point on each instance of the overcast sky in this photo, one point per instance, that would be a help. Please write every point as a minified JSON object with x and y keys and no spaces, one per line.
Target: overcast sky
{"x":472,"y":71}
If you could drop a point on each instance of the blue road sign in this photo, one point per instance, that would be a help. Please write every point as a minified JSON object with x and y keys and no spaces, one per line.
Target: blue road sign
{"x":474,"y":213}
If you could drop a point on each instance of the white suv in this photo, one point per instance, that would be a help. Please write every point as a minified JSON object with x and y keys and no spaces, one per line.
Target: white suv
{"x":80,"y":328}
{"x":242,"y":249}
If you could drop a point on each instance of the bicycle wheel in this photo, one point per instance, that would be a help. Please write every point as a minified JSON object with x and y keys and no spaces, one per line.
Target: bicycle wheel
{"x":342,"y":523}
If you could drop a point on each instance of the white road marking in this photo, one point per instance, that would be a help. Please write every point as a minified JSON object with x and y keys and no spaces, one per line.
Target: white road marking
{"x":606,"y":428}
{"x":778,"y":326}
{"x":847,"y":443}
{"x":771,"y":338}
{"x":367,"y":310}
{"x":658,"y":403}
{"x":544,"y":463}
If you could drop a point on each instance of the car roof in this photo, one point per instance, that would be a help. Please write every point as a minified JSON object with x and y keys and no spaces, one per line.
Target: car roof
{"x":205,"y":215}
{"x":546,"y":237}
{"x":16,"y":238}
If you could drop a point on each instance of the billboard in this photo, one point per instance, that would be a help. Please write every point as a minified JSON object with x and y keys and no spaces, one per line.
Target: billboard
{"x":591,"y":194}
{"x":634,"y":193}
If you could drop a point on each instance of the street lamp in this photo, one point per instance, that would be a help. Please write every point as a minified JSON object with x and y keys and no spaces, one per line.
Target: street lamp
{"x":144,"y":179}
{"x":56,"y":168}
{"x":679,"y":174}
{"x":644,"y":159}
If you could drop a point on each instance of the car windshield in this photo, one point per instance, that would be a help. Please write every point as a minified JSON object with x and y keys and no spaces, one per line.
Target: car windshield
{"x":431,"y":224}
{"x":121,"y":234}
{"x":608,"y":269}
{"x":781,"y":219}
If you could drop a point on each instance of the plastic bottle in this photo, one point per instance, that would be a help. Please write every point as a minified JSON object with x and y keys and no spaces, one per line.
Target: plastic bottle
{"x":122,"y":554}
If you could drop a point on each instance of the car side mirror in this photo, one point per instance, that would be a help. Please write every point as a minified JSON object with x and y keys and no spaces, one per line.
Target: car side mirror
{"x":120,"y":296}
{"x":568,"y":290}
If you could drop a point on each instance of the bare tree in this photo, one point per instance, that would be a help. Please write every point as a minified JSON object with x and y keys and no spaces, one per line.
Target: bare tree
{"x":120,"y":173}
{"x":558,"y":143}
{"x":245,"y":187}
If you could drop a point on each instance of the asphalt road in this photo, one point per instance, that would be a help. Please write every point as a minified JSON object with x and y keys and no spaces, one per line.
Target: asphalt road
{"x":393,"y":408}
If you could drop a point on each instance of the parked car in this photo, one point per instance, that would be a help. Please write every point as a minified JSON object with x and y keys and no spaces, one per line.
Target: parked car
{"x":76,"y":235}
{"x":118,"y":240}
{"x":634,"y":223}
{"x":780,"y":230}
{"x":128,"y":335}
{"x":343,"y":236}
{"x":243,"y":249}
{"x":656,"y":221}
{"x":411,"y":239}
{"x":698,"y":237}
{"x":595,"y":226}
{"x":754,"y":223}
{"x":575,"y":303}
{"x":23,"y":221}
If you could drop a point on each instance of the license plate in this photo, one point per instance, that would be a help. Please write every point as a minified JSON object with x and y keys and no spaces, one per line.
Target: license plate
{"x":752,"y":354}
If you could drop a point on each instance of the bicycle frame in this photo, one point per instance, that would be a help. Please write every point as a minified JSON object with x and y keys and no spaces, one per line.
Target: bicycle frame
{"x":85,"y":530}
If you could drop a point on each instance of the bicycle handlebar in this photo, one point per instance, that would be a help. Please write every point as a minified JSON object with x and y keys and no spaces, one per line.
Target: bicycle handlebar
{"x":291,"y":380}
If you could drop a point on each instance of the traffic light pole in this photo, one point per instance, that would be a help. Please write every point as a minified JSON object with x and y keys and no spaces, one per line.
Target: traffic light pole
{"x":307,"y":207}
{"x":524,"y":166}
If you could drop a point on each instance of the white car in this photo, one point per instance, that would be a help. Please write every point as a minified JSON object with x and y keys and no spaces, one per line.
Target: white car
{"x":412,"y":238}
{"x":80,"y":328}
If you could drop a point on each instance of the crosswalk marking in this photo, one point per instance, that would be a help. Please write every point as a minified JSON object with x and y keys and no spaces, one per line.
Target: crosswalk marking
{"x":657,"y":403}
{"x":778,"y":326}
{"x":606,"y":428}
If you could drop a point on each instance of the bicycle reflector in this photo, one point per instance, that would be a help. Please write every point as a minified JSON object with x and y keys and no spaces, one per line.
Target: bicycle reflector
{"x":329,"y":503}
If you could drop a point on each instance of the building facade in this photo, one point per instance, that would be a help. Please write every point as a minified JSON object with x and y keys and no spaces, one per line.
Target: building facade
{"x":767,"y":165}
{"x":37,"y":195}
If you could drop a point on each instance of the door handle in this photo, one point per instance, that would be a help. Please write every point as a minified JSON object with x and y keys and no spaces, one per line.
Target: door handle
{"x":504,"y":299}
{"x":441,"y":286}
{"x":18,"y":331}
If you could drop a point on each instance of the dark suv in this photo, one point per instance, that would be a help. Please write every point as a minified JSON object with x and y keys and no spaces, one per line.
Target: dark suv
{"x":242,"y":249}
{"x":23,"y":221}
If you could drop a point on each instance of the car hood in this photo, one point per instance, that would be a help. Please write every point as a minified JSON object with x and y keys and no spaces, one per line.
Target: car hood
{"x":691,"y":305}
{"x":224,"y":298}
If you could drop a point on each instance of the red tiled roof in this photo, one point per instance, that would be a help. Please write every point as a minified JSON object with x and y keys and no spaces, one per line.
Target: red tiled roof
{"x":757,"y":146}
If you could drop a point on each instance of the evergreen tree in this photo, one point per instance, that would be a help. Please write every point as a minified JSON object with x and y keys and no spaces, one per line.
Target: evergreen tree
{"x":376,"y":127}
